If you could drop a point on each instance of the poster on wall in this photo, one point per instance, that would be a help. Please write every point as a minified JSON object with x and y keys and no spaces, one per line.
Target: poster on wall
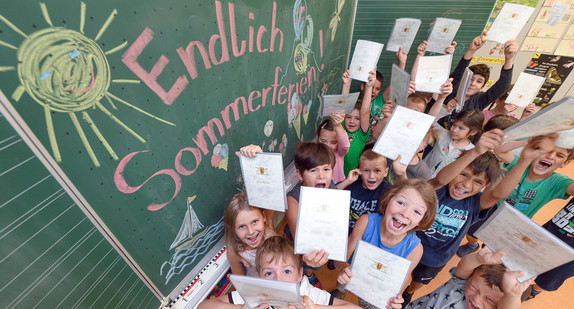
{"x":549,"y":26}
{"x":554,"y":69}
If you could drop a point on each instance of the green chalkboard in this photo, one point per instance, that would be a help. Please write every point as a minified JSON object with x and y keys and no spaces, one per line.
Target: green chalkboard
{"x":142,"y":104}
{"x":375,"y":20}
{"x":51,"y":254}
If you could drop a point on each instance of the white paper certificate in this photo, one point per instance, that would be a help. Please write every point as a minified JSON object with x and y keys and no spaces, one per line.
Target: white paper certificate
{"x":403,"y":34}
{"x":323,"y":222}
{"x":443,"y":32}
{"x":399,"y":86}
{"x":432,"y":72}
{"x":339,"y":103}
{"x":527,"y":246}
{"x":556,"y":117}
{"x":256,"y":291}
{"x":365,"y":58}
{"x":509,"y":22}
{"x":378,"y":275}
{"x":264,"y":181}
{"x":462,"y":87}
{"x":403,"y":134}
{"x":525,"y":89}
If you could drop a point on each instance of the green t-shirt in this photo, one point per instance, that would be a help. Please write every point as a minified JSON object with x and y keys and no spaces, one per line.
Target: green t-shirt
{"x":357,"y":140}
{"x":530,"y":196}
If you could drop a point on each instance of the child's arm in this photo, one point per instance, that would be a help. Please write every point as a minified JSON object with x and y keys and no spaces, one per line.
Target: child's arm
{"x":415,"y":258}
{"x":346,"y":82}
{"x":386,"y":111}
{"x":358,"y":230}
{"x":339,"y":303}
{"x":487,"y":141}
{"x":536,"y":147}
{"x":468,"y":263}
{"x":446,"y":90}
{"x":342,"y":136}
{"x":400,"y":169}
{"x":366,"y":106}
{"x":221,"y":302}
{"x":512,"y":290}
{"x":503,"y":151}
{"x":291,"y":214}
{"x":353,"y":176}
{"x":421,"y":49}
{"x":237,"y":267}
{"x":402,"y":62}
{"x":528,"y":111}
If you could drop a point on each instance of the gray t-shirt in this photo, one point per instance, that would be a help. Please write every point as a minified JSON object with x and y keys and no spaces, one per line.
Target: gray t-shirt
{"x":449,"y":296}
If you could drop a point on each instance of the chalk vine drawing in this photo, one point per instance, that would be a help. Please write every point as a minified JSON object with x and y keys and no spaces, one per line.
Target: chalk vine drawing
{"x":67,"y":72}
{"x":336,"y":19}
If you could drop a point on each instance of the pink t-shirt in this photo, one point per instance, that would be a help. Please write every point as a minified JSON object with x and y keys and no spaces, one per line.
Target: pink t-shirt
{"x":342,"y":149}
{"x":489,"y":114}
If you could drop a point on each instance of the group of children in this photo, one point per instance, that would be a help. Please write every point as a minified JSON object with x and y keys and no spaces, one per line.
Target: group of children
{"x":420,"y":211}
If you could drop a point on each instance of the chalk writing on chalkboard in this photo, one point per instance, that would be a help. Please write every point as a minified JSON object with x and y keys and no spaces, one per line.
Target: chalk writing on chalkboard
{"x":66,"y":72}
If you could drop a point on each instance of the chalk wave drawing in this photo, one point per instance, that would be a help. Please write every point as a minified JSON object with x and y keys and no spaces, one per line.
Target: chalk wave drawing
{"x":187,"y":256}
{"x":66,"y":72}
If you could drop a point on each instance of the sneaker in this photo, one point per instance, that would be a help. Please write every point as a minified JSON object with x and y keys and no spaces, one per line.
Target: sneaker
{"x":530,"y":293}
{"x":467,"y":249}
{"x":315,"y":281}
{"x":337,"y":294}
{"x":407,"y":298}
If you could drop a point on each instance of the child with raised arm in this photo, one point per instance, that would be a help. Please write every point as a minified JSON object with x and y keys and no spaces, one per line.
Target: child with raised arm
{"x":537,"y":182}
{"x":331,"y":133}
{"x":357,"y":122}
{"x":475,"y":99}
{"x":275,"y":260}
{"x":458,"y":188}
{"x":478,"y":281}
{"x":245,"y":231}
{"x":408,"y":206}
{"x":500,"y":107}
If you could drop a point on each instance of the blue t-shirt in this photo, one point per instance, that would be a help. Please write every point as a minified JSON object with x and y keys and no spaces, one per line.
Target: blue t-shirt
{"x":372,"y":235}
{"x":364,"y":200}
{"x":453,"y":218}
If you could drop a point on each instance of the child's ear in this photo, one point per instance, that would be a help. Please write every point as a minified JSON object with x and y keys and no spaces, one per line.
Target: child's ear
{"x":362,"y":86}
{"x":473,"y":132}
{"x":299,"y":175}
{"x":386,"y":172}
{"x":300,"y":274}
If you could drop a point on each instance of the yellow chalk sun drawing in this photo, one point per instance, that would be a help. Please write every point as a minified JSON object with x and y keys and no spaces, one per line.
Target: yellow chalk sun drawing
{"x":67,"y":72}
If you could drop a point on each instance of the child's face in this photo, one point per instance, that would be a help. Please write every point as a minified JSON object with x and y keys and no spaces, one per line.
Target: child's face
{"x":318,"y":177}
{"x":476,"y":84}
{"x":548,"y":163}
{"x":467,"y":184}
{"x":353,"y":121}
{"x":373,"y":172}
{"x":460,"y":131}
{"x":404,"y":211}
{"x":282,"y":269}
{"x":250,"y":227}
{"x":479,"y":294}
{"x":329,"y":138}
{"x":376,"y":89}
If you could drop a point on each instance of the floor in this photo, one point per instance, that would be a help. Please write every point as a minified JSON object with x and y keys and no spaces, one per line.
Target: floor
{"x":556,"y":300}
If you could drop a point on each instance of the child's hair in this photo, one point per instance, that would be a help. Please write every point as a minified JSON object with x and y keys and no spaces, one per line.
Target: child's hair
{"x":370,"y":155}
{"x":358,"y":105}
{"x":426,"y":191}
{"x":472,"y":118}
{"x":502,"y":98}
{"x":326,"y":124}
{"x":418,"y":100}
{"x":380,"y":78}
{"x":236,"y":204}
{"x":492,"y":273}
{"x":570,"y":154}
{"x":277,"y":247}
{"x":310,"y":154}
{"x":501,"y":122}
{"x":482,"y":70}
{"x":486,"y":162}
{"x":426,"y":95}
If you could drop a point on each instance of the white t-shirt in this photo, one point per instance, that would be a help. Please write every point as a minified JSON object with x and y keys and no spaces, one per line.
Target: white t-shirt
{"x":317,"y":296}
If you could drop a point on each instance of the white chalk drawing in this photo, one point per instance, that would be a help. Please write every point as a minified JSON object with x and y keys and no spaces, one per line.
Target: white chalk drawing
{"x":191,"y":228}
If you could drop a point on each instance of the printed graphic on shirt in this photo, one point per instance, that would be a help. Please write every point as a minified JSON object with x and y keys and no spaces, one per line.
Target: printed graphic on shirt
{"x":448,"y":223}
{"x":359,"y":208}
{"x":563,"y":220}
{"x":521,"y":198}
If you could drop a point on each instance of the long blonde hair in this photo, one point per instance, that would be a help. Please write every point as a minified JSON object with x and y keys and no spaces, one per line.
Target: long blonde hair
{"x":235,"y":205}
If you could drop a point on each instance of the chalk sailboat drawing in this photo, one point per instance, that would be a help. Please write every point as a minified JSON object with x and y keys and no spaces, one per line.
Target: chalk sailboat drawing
{"x":190,"y":229}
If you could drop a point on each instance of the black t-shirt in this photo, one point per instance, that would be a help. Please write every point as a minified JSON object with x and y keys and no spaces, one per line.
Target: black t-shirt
{"x":364,"y":200}
{"x":562,"y":225}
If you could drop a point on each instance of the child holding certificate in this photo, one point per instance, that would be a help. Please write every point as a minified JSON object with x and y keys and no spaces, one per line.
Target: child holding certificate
{"x":245,"y":231}
{"x":332,"y":134}
{"x":408,"y":206}
{"x":275,"y":260}
{"x":479,"y":281}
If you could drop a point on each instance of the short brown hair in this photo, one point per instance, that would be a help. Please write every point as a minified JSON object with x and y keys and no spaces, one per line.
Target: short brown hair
{"x":473,"y":119}
{"x":500,"y":121}
{"x":418,"y":100}
{"x":277,"y":247}
{"x":482,"y":70}
{"x":426,"y":191}
{"x":370,"y":155}
{"x":309,"y":155}
{"x":486,"y":162}
{"x":326,"y":124}
{"x":492,"y":273}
